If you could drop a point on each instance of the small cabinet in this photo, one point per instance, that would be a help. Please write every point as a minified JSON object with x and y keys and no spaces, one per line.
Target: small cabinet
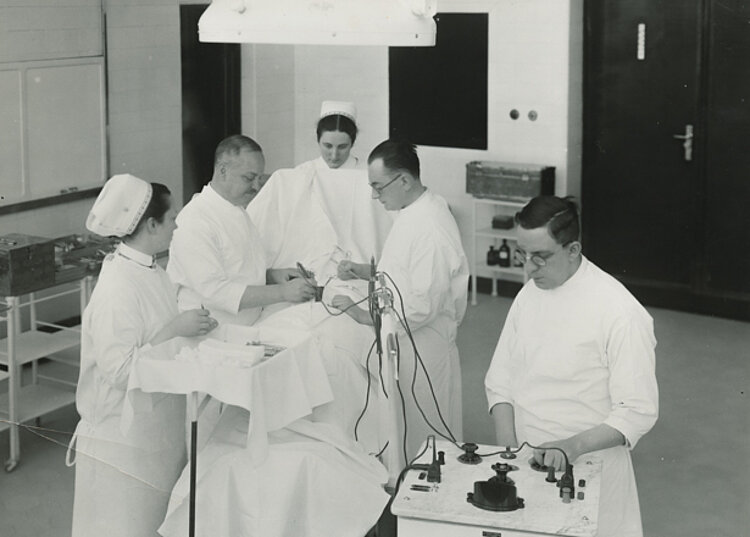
{"x":484,"y":236}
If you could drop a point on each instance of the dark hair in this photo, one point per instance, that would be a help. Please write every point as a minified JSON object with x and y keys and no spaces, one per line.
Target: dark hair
{"x":337,"y":122}
{"x":234,"y":145}
{"x":559,"y":215}
{"x":396,"y":156}
{"x":157,"y":207}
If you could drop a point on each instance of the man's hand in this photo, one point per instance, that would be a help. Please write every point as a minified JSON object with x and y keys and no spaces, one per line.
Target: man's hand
{"x":349,"y":270}
{"x":190,"y":323}
{"x":348,"y":306}
{"x":552,"y":457}
{"x":342,"y":302}
{"x":282,"y":275}
{"x":297,"y":290}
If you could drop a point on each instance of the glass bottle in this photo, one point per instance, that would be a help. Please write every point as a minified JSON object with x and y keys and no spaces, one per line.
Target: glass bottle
{"x":503,"y":254}
{"x":492,"y":256}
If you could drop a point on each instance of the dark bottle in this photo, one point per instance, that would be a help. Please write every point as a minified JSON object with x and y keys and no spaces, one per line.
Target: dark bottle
{"x":503,"y":254}
{"x":492,"y":256}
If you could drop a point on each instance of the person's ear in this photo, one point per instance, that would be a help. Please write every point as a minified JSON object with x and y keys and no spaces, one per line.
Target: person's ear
{"x":407,"y":180}
{"x":152,"y":224}
{"x":575,"y":248}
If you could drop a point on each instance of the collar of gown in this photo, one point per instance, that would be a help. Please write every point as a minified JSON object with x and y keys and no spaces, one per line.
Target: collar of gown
{"x":416,"y":204}
{"x":572,"y":282}
{"x":214,"y":198}
{"x":136,"y":256}
{"x":350,"y":164}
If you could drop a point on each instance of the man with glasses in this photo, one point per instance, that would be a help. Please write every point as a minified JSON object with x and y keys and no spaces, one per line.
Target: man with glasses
{"x":574,"y":365}
{"x":216,"y":257}
{"x":427,"y":272}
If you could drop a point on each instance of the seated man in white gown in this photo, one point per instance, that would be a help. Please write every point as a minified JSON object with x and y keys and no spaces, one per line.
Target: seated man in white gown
{"x":216,"y":258}
{"x":321,"y":211}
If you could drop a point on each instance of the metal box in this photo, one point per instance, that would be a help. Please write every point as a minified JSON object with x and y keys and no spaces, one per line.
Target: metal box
{"x":27,"y":264}
{"x":508,"y":181}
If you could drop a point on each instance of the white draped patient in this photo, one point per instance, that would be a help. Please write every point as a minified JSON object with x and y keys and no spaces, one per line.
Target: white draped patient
{"x":311,"y":479}
{"x":314,"y":482}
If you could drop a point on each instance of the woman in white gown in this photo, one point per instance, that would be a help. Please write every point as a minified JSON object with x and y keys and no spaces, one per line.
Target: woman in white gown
{"x":322,"y":211}
{"x":123,"y":479}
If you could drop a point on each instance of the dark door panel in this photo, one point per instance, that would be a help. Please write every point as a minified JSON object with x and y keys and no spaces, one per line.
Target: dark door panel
{"x":639,"y":201}
{"x":210,"y":99}
{"x":727,"y":209}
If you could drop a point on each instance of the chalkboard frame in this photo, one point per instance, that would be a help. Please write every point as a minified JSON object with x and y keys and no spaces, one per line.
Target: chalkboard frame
{"x":36,"y":124}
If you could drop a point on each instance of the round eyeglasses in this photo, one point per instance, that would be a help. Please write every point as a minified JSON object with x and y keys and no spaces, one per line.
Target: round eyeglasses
{"x":539,"y":259}
{"x":379,"y":188}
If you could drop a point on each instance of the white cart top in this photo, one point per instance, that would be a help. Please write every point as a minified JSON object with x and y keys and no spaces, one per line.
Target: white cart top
{"x":544,"y":511}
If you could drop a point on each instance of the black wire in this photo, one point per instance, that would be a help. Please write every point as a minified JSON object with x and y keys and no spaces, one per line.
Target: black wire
{"x":367,"y":394}
{"x":519,"y":448}
{"x":405,"y":324}
{"x":403,"y":403}
{"x":379,"y":453}
{"x":409,"y":466}
{"x":341,"y":312}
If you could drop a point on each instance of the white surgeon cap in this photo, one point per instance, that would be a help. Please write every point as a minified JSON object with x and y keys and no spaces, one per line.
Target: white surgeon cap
{"x":119,"y":206}
{"x":342,"y":108}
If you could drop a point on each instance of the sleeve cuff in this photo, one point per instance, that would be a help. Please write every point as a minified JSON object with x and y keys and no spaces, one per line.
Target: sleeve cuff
{"x":494,"y":398}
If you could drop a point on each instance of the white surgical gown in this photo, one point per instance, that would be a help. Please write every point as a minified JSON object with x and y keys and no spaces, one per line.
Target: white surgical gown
{"x":123,"y":480}
{"x":317,"y":216}
{"x":424,"y":257}
{"x":215,"y":254}
{"x":571,"y":358}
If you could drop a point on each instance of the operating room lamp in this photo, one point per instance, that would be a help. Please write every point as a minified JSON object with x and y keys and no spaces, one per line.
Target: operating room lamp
{"x":320,"y":22}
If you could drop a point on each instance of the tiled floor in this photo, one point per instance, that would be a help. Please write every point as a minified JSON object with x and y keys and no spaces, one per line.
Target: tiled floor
{"x":692,"y":468}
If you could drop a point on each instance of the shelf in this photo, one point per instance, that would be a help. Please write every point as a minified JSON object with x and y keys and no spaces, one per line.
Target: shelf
{"x":493,"y":233}
{"x":73,"y":361}
{"x":486,"y":271}
{"x":3,"y":375}
{"x":37,"y":400}
{"x":507,"y":203}
{"x":33,"y":344}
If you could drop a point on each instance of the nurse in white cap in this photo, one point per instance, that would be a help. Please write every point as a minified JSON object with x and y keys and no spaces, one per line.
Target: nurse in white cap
{"x":123,"y":480}
{"x":322,"y":211}
{"x":337,"y":132}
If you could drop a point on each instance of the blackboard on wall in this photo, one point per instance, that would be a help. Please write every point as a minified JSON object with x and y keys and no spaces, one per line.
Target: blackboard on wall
{"x":438,"y":95}
{"x":52,"y":128}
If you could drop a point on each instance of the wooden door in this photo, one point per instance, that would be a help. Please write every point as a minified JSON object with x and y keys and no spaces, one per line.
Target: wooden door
{"x":653,"y":204}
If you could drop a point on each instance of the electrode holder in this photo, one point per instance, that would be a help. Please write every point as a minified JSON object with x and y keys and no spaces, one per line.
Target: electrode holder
{"x":498,"y":493}
{"x":470,"y":456}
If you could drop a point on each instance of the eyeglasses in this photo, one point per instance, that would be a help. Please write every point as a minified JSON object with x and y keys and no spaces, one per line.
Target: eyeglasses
{"x":539,"y":260}
{"x":379,"y":188}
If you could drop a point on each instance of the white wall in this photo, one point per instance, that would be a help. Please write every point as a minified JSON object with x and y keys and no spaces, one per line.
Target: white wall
{"x":535,"y":63}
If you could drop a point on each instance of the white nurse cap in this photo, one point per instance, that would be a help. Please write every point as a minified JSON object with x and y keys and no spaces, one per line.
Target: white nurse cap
{"x":119,"y":206}
{"x":342,"y":108}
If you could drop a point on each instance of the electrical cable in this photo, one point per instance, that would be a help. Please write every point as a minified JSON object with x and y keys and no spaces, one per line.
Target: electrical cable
{"x":519,"y":448}
{"x":367,"y":394}
{"x":403,"y":401}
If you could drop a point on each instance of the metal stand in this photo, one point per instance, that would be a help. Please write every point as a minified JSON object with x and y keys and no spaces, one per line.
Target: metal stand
{"x":193,"y":414}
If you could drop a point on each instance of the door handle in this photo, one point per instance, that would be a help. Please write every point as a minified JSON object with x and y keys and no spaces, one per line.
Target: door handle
{"x":687,"y":144}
